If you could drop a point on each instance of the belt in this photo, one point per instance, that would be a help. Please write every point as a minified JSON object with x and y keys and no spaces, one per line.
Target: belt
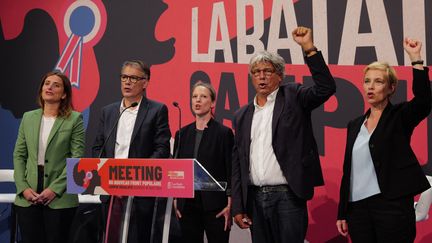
{"x":275,"y":188}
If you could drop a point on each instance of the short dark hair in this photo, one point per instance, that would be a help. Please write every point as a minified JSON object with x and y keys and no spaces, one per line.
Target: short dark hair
{"x":66,"y":105}
{"x":143,"y":67}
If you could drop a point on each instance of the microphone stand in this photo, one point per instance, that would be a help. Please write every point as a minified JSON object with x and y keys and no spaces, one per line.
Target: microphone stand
{"x":113,"y":127}
{"x":168,"y":209}
{"x":179,"y":133}
{"x":134,"y":104}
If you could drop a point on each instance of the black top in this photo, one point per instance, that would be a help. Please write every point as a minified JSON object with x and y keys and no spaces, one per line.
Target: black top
{"x":214,"y":153}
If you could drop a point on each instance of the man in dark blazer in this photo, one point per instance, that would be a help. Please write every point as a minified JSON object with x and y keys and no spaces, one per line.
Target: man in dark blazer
{"x":142,"y":131}
{"x":275,"y":157}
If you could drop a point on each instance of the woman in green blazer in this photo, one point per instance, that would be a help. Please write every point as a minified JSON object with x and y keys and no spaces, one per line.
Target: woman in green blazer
{"x":46,"y":137}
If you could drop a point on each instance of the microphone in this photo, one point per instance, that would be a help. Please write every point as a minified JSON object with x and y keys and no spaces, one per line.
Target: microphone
{"x":176,"y":104}
{"x":134,"y":104}
{"x":105,"y":198}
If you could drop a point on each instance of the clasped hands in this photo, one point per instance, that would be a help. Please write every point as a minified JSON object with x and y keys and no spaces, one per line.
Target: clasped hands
{"x":44,"y":198}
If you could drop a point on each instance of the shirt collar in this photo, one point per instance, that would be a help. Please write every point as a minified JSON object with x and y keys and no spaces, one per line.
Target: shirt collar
{"x":132,"y":109}
{"x":270,"y":98}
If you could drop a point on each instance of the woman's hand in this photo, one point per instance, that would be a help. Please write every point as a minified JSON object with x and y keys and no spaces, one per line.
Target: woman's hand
{"x":30,"y":195}
{"x":178,"y":214}
{"x":412,"y":48}
{"x":342,"y":227}
{"x":46,"y":197}
{"x":226,"y":212}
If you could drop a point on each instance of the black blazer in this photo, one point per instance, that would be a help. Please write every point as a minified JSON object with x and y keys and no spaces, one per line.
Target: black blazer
{"x":293,"y":141}
{"x":150,"y":136}
{"x":214,"y":153}
{"x":397,"y":168}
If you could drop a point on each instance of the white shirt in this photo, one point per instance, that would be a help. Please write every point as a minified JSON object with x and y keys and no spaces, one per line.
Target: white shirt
{"x":46,"y":125}
{"x":264,"y":167}
{"x":125,"y":128}
{"x":364,"y":182}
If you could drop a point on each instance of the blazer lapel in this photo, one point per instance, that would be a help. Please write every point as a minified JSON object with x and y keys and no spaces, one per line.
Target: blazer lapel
{"x":142,"y":113}
{"x":382,"y":119}
{"x":277,"y":110}
{"x":57,"y":124}
{"x":355,"y":130}
{"x":248,"y":127}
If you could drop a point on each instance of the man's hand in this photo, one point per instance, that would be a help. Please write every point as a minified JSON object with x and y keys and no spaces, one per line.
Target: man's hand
{"x":46,"y":197}
{"x":342,"y":227}
{"x":303,"y":37}
{"x":243,"y":221}
{"x":30,"y":195}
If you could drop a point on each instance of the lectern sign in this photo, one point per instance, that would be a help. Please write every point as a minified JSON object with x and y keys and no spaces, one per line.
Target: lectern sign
{"x":131,"y":177}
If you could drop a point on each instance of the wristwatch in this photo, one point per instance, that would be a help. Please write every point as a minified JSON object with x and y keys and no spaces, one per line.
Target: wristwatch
{"x":417,"y":62}
{"x":308,"y":51}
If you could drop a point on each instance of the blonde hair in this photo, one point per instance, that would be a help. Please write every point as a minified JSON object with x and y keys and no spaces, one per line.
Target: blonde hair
{"x":390,"y":73}
{"x":210,"y":88}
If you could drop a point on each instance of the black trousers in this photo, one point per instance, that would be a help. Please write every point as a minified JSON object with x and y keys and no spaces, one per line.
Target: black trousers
{"x":42,"y":224}
{"x":195,"y":220}
{"x":377,"y":219}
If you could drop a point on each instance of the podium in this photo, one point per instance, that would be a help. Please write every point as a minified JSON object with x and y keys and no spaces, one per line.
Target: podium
{"x":140,"y":190}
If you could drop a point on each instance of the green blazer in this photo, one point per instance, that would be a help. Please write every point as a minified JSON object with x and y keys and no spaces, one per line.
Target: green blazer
{"x":66,"y":140}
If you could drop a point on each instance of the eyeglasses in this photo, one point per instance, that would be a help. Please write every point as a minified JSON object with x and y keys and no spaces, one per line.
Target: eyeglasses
{"x":267,"y":72}
{"x":133,"y":79}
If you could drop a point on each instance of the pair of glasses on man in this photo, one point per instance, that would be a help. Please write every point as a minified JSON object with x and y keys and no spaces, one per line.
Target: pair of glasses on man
{"x":132,"y":78}
{"x":267,"y":72}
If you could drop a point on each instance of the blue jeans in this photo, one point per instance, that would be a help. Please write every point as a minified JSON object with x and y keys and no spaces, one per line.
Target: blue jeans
{"x":278,"y":216}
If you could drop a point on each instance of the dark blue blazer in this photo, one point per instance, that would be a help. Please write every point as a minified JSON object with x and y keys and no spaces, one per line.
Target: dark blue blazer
{"x":293,"y":141}
{"x":150,"y":139}
{"x":150,"y":136}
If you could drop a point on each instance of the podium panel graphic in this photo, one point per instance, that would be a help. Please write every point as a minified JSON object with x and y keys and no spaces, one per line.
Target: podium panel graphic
{"x":134,"y":186}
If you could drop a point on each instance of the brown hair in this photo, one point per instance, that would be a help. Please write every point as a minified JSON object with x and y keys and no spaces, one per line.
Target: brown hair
{"x":66,"y":107}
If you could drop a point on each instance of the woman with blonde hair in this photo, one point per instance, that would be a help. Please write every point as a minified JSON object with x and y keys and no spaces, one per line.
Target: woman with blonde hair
{"x":210,"y":142}
{"x":381,"y":174}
